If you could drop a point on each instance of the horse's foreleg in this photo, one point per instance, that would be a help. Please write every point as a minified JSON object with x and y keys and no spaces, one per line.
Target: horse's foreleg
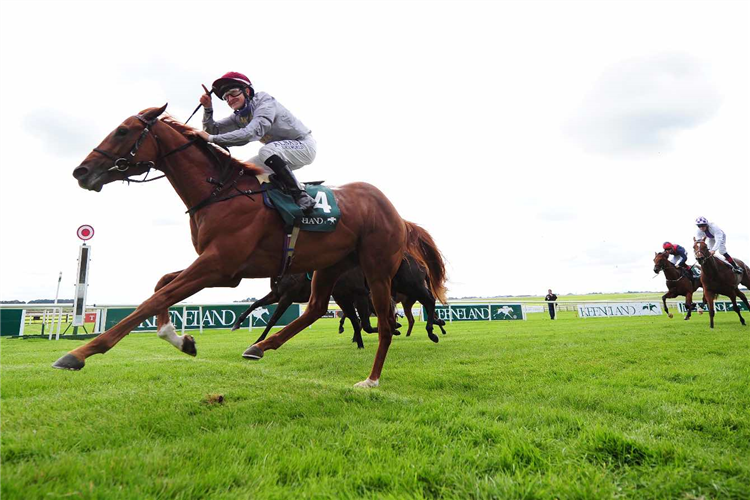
{"x":269,"y":299}
{"x":664,"y":301}
{"x":165,"y":330}
{"x":201,"y":274}
{"x":688,"y":304}
{"x":709,"y":298}
{"x":362,"y":305}
{"x":284,"y":304}
{"x":347,"y":306}
{"x":322,"y":286}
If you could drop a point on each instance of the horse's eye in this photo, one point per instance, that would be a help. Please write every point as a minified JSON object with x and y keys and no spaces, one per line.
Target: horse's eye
{"x":122,"y":131}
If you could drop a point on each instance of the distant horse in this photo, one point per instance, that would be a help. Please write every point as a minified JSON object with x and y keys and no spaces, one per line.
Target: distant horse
{"x":410,"y":284}
{"x":237,"y":237}
{"x":349,"y":292}
{"x":677,"y":283}
{"x":718,"y":278}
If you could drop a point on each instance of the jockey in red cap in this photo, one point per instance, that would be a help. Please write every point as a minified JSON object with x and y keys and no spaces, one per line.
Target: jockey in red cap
{"x":677,"y":255}
{"x":288,"y":143}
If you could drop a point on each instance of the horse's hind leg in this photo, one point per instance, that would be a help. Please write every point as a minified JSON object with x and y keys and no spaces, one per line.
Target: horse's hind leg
{"x":733,"y":298}
{"x":408,"y":304}
{"x":322,"y":286}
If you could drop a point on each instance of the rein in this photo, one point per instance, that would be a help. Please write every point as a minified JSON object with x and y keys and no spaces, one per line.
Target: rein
{"x":124,"y":163}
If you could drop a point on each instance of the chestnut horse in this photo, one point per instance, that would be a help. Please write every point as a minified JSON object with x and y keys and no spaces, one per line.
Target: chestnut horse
{"x":677,"y":283}
{"x":237,"y":237}
{"x":719,"y":278}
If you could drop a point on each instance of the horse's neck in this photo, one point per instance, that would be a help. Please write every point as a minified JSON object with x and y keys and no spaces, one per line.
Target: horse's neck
{"x":189,"y":169}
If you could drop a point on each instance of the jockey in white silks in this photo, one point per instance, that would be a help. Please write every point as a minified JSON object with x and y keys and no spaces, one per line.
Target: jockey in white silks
{"x":716,"y":240}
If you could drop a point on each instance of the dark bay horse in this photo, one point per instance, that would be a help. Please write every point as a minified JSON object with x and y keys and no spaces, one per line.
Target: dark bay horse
{"x":350,"y":293}
{"x":237,"y":237}
{"x":677,"y":283}
{"x":410,"y":285}
{"x":718,"y":278}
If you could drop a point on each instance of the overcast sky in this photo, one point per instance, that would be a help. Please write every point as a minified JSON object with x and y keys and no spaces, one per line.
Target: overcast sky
{"x":542,"y":144}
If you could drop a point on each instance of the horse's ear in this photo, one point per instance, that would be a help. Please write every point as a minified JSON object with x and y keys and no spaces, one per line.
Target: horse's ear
{"x":154,"y":113}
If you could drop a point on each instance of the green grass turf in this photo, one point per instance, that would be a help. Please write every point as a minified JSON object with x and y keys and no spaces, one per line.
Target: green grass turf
{"x":638,"y":408}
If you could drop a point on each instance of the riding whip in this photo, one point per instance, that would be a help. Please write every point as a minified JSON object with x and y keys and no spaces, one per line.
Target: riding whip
{"x":209,"y":92}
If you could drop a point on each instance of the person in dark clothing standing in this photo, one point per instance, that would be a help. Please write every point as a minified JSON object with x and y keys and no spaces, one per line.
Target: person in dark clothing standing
{"x":551,"y":298}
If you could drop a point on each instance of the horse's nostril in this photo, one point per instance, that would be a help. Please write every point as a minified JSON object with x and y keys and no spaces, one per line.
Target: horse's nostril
{"x":80,"y":172}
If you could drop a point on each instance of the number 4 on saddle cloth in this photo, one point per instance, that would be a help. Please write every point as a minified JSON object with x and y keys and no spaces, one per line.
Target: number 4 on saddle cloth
{"x":323,"y":218}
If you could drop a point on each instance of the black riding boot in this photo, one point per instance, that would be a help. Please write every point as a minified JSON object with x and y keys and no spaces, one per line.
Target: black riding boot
{"x":289,"y":181}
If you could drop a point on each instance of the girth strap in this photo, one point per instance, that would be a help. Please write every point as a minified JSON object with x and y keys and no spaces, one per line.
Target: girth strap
{"x":290,"y":240}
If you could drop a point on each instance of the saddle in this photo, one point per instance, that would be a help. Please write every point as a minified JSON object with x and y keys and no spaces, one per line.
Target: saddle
{"x":323,"y":218}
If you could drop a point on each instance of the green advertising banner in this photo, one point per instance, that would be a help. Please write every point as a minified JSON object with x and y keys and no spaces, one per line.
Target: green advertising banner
{"x":210,"y":316}
{"x":723,"y":306}
{"x":10,"y":321}
{"x":479,"y":312}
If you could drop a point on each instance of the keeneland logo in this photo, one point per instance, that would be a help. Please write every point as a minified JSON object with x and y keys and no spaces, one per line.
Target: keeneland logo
{"x":313,"y":220}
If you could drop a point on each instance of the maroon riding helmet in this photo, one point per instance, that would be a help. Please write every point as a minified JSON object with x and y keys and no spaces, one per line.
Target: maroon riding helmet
{"x":231,"y":80}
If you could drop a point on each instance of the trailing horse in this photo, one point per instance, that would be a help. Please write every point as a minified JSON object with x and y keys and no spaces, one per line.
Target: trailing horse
{"x":237,"y":237}
{"x":718,"y":278}
{"x":350,"y":293}
{"x":678,"y":283}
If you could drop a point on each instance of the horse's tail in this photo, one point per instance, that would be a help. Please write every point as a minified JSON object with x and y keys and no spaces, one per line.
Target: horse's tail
{"x":421,"y":246}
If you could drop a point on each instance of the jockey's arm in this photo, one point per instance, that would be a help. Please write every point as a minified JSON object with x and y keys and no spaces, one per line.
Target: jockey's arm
{"x":263,"y":118}
{"x":217,"y":127}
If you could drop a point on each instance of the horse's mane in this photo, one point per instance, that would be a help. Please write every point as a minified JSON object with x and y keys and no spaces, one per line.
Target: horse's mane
{"x":182,"y":128}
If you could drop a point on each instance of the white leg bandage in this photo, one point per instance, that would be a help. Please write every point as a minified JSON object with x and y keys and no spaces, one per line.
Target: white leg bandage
{"x":168,"y":333}
{"x":367,"y":383}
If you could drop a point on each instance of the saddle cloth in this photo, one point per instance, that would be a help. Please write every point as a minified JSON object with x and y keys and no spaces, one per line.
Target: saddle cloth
{"x":324,"y":217}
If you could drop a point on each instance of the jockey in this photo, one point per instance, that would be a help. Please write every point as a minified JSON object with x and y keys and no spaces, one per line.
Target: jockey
{"x":288,"y":143}
{"x":677,"y":255}
{"x":716,"y":240}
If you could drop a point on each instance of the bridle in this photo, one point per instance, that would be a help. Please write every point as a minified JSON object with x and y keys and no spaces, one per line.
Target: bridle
{"x":123,"y":164}
{"x":702,"y":257}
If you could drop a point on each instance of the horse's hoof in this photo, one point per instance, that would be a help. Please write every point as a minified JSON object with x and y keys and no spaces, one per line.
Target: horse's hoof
{"x":360,"y":346}
{"x":433,"y":337}
{"x":670,"y":315}
{"x":341,"y":330}
{"x":396,"y":333}
{"x":367,"y":384}
{"x":68,"y":362}
{"x":253,"y":352}
{"x":235,"y":327}
{"x":188,"y":345}
{"x":398,"y":325}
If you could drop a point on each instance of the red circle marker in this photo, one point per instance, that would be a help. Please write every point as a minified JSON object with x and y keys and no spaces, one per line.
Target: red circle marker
{"x":85,"y":232}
